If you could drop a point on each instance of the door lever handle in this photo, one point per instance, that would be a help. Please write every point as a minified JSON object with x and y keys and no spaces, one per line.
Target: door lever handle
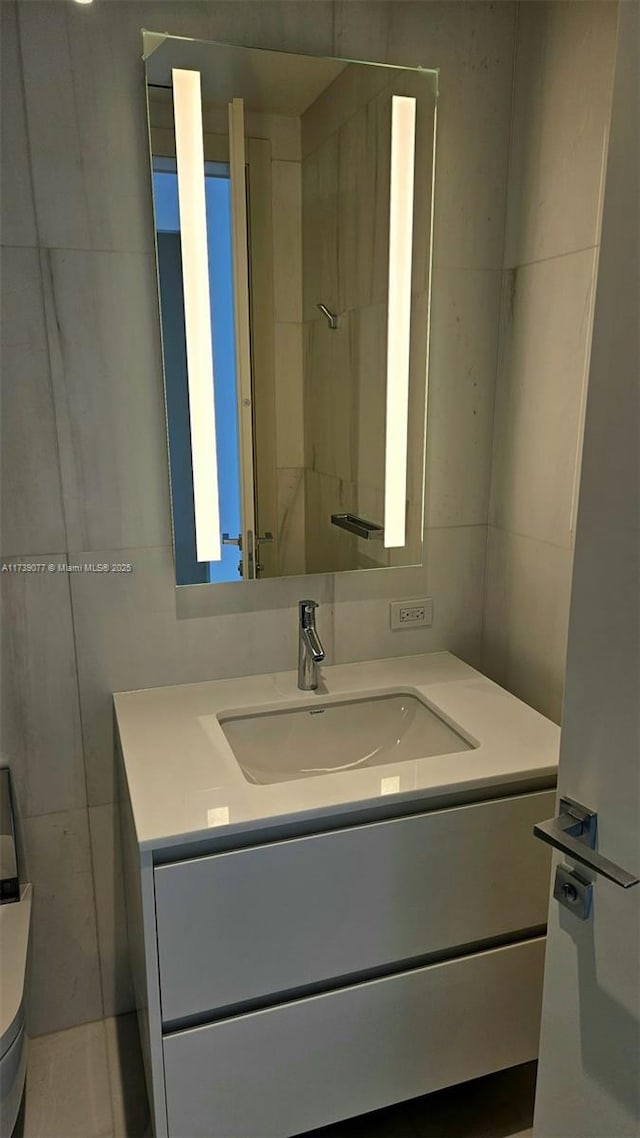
{"x":573,"y":832}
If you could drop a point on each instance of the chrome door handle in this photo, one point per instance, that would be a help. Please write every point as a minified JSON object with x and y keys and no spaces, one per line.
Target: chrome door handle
{"x":573,"y":832}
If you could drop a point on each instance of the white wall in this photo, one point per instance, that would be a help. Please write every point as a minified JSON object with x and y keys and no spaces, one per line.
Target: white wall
{"x":562,"y":95}
{"x":84,"y":460}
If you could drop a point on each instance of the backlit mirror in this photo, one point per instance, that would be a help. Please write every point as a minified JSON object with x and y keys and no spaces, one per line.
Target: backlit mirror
{"x":293,"y":217}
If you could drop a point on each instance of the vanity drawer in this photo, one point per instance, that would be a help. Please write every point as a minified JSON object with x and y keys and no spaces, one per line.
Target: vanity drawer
{"x":270,"y":919}
{"x":311,"y":1062}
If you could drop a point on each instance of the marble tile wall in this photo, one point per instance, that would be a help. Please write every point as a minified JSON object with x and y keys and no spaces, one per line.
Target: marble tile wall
{"x":563,"y":82}
{"x":286,"y":178}
{"x":85,"y":463}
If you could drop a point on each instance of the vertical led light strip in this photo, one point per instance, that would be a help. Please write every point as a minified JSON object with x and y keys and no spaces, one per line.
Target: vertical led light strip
{"x":187,"y":111}
{"x":403,"y":144}
{"x":242,"y":326}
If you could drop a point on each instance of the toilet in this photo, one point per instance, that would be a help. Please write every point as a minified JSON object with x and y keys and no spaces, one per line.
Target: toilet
{"x":15,"y":919}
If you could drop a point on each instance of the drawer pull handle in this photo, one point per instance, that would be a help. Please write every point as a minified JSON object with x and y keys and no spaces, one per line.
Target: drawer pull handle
{"x":573,"y":832}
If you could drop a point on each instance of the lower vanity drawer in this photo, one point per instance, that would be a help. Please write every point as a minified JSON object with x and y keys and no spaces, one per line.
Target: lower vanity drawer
{"x":293,"y":1067}
{"x":275,"y":918}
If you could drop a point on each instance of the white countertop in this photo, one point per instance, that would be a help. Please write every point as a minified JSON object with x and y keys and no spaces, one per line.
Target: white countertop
{"x":184,"y":782}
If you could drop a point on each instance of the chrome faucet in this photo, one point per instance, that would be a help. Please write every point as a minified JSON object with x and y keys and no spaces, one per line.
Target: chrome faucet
{"x":310,"y":650}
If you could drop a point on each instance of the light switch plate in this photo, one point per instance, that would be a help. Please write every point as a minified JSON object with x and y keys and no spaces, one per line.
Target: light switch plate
{"x":414,"y":613}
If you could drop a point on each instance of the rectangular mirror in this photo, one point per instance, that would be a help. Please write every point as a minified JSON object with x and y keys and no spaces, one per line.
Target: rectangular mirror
{"x":293,"y":217}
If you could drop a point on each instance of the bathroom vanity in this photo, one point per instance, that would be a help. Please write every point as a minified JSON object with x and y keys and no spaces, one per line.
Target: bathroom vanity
{"x":334,"y":898}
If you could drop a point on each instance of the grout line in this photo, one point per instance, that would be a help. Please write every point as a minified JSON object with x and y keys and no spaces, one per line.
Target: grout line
{"x":551,"y":257}
{"x":443,"y":267}
{"x":64,"y":1030}
{"x":76,"y":248}
{"x":528,"y":537}
{"x":440,"y":266}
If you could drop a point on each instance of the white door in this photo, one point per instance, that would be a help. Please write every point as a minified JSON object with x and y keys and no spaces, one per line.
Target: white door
{"x":239,"y":245}
{"x":589,"y":1072}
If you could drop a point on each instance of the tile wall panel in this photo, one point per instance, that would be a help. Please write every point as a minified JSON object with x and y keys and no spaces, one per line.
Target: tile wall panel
{"x":464,"y":349}
{"x":562,"y":92}
{"x":41,"y":736}
{"x":18,"y":222}
{"x":32,"y":517}
{"x":64,"y":985}
{"x":547,"y":317}
{"x":103,"y":327}
{"x":561,"y":115}
{"x":526,"y":618}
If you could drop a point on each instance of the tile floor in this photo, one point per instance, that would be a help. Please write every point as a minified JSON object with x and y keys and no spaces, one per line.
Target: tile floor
{"x":87,"y":1082}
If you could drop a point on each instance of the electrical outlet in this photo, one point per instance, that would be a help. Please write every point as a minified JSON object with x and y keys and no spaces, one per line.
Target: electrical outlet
{"x":412,"y":613}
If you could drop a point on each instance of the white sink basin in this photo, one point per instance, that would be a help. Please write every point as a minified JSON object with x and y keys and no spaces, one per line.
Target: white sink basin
{"x":305,"y":742}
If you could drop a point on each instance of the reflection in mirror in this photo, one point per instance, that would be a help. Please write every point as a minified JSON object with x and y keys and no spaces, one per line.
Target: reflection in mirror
{"x":293,"y":215}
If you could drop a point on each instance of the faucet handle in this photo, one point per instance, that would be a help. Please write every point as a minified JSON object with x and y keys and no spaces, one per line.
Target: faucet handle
{"x":306,"y":610}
